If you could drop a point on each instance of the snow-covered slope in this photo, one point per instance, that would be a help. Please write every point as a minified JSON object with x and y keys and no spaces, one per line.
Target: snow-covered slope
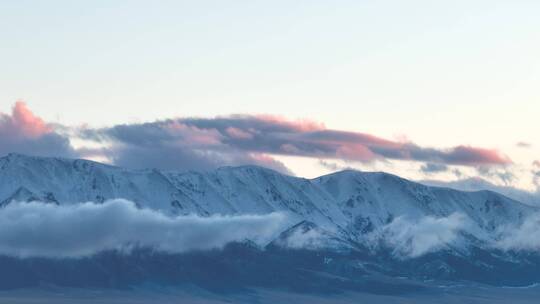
{"x":370,"y":200}
{"x":350,"y":204}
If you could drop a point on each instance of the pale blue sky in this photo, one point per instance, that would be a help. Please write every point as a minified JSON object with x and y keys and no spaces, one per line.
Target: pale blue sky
{"x":441,"y":73}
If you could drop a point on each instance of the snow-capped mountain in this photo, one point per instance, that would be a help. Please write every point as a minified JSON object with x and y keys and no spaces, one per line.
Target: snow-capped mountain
{"x":349,"y":203}
{"x":349,"y":224}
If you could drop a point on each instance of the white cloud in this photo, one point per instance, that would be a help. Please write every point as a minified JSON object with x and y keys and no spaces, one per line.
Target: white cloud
{"x":524,"y":236}
{"x":311,"y":239}
{"x":412,"y":238}
{"x":46,"y":230}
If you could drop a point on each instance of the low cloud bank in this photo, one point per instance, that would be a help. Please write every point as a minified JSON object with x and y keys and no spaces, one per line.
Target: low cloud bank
{"x":311,"y":239}
{"x":522,"y":237}
{"x":47,"y":230}
{"x":411,"y":238}
{"x":415,"y":237}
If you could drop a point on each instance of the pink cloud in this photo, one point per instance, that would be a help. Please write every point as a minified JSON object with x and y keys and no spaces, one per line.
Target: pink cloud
{"x":345,"y":137}
{"x":193,"y":135}
{"x":355,"y":152}
{"x":269,"y":162}
{"x":302,"y":125}
{"x":23,"y":122}
{"x":238,"y":133}
{"x":468,"y":155}
{"x":276,"y":135}
{"x":24,"y":132}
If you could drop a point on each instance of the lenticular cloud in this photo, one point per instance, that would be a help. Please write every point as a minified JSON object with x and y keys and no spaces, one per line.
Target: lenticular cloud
{"x":46,"y":230}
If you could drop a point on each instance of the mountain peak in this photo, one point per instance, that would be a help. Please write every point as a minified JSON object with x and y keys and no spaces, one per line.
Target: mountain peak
{"x":252,"y":169}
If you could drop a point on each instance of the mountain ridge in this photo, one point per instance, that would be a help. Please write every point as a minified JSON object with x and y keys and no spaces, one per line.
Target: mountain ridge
{"x":351,"y":202}
{"x":429,"y":183}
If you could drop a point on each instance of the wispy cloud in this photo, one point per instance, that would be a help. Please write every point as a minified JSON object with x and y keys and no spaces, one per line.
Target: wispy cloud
{"x":523,"y":144}
{"x":501,"y":174}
